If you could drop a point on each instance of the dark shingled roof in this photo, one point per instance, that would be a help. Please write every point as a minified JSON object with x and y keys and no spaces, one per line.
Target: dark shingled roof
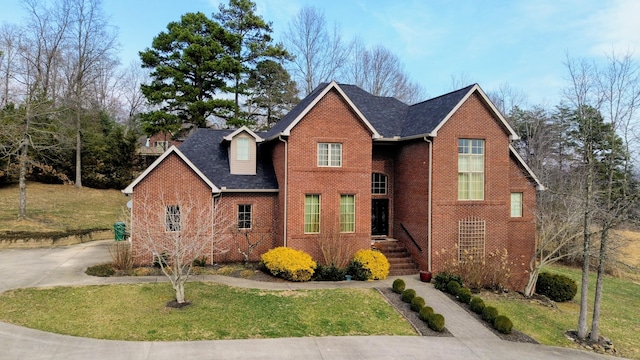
{"x":206,"y":149}
{"x":389,"y":116}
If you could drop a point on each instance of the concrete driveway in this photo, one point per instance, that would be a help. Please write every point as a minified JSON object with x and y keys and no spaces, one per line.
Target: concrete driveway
{"x":66,"y":265}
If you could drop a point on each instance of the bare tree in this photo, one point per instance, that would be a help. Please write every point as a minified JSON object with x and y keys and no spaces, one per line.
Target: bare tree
{"x":506,"y":99}
{"x":10,"y":43}
{"x":319,"y":53}
{"x":177,"y":229}
{"x":619,"y":88}
{"x":91,"y":45}
{"x":248,"y":239}
{"x":380,"y":72}
{"x":461,"y":80}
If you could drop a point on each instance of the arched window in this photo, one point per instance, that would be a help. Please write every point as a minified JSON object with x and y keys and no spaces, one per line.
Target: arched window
{"x":378,"y":184}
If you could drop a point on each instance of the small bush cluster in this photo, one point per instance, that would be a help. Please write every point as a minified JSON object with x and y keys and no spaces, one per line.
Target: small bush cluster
{"x":290,"y":264}
{"x":200,"y":261}
{"x":358,"y":271}
{"x":398,"y":286}
{"x":490,"y":271}
{"x":408,"y":295}
{"x":425,"y":312}
{"x":436,"y":322}
{"x":556,"y":287}
{"x":101,"y":270}
{"x":503,"y":324}
{"x":464,"y":295}
{"x":453,"y":287}
{"x":329,"y":273}
{"x":121,"y":255}
{"x":489,"y":314}
{"x":442,"y":280}
{"x":375,"y":262}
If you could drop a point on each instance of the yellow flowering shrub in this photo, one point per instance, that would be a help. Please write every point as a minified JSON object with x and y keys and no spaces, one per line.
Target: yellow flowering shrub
{"x":290,"y":264}
{"x":375,"y":261}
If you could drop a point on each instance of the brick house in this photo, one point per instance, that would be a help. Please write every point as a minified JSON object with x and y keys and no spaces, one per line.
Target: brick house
{"x":440,"y":174}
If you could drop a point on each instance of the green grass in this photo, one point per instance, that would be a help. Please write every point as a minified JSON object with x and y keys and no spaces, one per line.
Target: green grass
{"x":138,"y":312}
{"x":56,"y":208}
{"x":620,"y":318}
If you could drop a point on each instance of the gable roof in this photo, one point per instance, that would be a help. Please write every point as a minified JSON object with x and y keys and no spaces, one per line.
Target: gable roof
{"x":243,"y":129}
{"x":171,"y":150}
{"x":289,"y":121}
{"x":526,"y":168}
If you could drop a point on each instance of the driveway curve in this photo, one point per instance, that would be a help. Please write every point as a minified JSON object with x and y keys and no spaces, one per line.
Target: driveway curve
{"x":65,"y":266}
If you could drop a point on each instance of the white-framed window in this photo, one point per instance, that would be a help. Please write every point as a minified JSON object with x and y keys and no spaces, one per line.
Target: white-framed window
{"x":172,"y":218}
{"x":470,"y":169}
{"x":347,"y":213}
{"x":330,"y":154}
{"x":242,"y":149}
{"x":516,"y":204}
{"x":311,"y":214}
{"x":244,"y":216}
{"x":378,"y":184}
{"x":161,"y":144}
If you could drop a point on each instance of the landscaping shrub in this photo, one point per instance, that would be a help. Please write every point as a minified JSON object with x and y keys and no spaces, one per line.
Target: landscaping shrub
{"x":398,"y":286}
{"x":489,"y":314}
{"x":442,"y":279}
{"x":200,"y":261}
{"x":464,"y":295}
{"x":476,"y":305}
{"x":436,"y":322}
{"x":121,"y":255}
{"x":417,"y":303}
{"x":408,"y":295}
{"x":290,"y":264}
{"x":375,"y":262}
{"x":453,"y":287}
{"x":558,"y":288}
{"x":503,"y":324}
{"x":478,"y":271}
{"x":358,"y":271}
{"x":425,"y":312}
{"x":329,"y":273}
{"x":101,"y":270}
{"x":157,"y":259}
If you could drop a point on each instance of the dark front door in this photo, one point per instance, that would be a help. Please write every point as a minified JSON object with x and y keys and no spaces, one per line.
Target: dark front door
{"x":380,"y":217}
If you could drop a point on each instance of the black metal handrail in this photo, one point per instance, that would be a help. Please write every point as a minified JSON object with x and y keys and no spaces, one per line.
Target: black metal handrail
{"x":410,"y":237}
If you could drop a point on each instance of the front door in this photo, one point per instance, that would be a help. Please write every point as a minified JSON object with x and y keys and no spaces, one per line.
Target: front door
{"x":380,"y":217}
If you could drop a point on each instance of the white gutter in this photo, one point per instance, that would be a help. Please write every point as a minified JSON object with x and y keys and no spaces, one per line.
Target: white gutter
{"x":429,"y":206}
{"x":286,"y":183}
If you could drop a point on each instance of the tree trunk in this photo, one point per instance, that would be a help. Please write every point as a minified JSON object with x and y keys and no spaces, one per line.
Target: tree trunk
{"x":179,"y":288}
{"x":595,"y":324}
{"x":24,"y":148}
{"x":78,"y":182}
{"x":530,"y":289}
{"x":586,"y":255}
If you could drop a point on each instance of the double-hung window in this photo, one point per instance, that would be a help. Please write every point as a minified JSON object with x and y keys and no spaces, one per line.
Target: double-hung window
{"x":242,"y":149}
{"x":244,"y":216}
{"x":470,"y":169}
{"x":378,"y":184}
{"x":172,"y":218}
{"x":330,"y":154}
{"x":516,"y":204}
{"x":312,"y":214}
{"x":347,"y":213}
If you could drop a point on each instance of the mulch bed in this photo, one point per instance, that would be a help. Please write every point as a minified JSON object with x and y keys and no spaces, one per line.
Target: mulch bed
{"x":405,"y":309}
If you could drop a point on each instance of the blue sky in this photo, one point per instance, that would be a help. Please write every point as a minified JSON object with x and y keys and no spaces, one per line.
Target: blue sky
{"x":519,"y":43}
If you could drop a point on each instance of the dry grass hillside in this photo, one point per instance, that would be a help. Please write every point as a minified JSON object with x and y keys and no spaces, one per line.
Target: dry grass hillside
{"x":58,"y":208}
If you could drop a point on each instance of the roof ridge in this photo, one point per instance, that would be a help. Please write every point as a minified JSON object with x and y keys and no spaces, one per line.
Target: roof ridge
{"x":466,"y":88}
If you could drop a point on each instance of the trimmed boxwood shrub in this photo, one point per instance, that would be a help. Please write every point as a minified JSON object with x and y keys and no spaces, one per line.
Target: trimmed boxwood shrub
{"x":375,"y":262}
{"x":489,"y":314}
{"x":398,"y":286}
{"x":464,"y":295}
{"x":503,"y":324}
{"x":442,"y":279}
{"x":557,"y":287}
{"x":436,"y":322}
{"x":425,"y":312}
{"x":417,"y":303}
{"x":476,"y":305}
{"x":408,"y":295}
{"x":288,"y":263}
{"x":453,"y":287}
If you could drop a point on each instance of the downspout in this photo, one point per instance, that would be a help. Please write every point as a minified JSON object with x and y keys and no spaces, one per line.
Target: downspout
{"x":213,"y":222}
{"x":429,"y":206}
{"x":286,"y":182}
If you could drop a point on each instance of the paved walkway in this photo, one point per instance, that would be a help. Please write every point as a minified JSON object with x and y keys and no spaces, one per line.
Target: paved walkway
{"x":66,"y":265}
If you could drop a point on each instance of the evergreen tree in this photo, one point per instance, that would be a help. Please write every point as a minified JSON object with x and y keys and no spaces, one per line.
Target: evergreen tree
{"x":273,"y":93}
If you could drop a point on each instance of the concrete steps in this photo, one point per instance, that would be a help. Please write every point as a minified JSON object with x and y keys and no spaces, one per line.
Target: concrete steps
{"x":399,"y":257}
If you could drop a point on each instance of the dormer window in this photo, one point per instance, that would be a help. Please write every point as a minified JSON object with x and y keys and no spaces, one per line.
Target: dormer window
{"x":242,"y":151}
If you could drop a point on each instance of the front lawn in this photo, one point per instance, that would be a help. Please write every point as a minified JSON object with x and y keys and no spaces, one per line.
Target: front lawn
{"x":138,"y":313}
